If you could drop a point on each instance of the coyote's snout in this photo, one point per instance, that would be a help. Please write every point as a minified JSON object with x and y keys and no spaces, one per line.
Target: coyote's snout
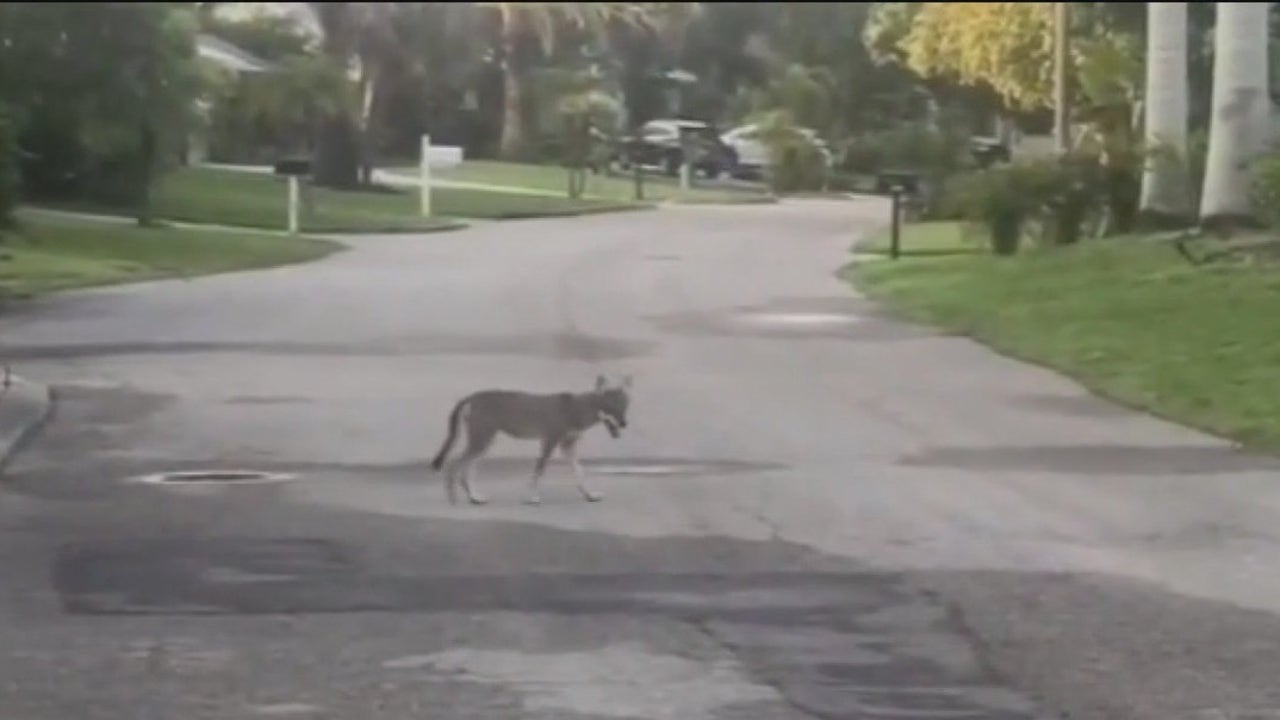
{"x":558,"y":420}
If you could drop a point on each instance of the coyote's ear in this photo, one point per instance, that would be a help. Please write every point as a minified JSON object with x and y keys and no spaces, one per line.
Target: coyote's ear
{"x":626,"y":382}
{"x":600,"y":383}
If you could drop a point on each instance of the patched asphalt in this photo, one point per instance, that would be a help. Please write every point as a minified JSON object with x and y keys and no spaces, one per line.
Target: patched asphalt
{"x":817,"y":512}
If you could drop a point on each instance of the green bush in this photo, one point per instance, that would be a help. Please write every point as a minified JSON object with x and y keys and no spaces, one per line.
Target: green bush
{"x":1265,"y":191}
{"x":9,"y":178}
{"x":1056,"y":193}
{"x":845,"y":182}
{"x":1064,"y":193}
{"x":916,"y":146}
{"x":1197,"y":158}
{"x":935,"y":154}
{"x":862,"y":155}
{"x":993,"y":199}
{"x":795,"y":163}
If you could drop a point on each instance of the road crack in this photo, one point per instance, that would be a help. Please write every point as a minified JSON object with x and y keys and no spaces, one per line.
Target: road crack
{"x":775,"y":532}
{"x":703,"y":626}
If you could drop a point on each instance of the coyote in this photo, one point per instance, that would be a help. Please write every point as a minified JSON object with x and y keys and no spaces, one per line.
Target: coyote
{"x":558,"y":420}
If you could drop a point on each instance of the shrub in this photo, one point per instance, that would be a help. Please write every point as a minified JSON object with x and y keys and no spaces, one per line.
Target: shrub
{"x":992,"y":198}
{"x":1058,"y":193}
{"x":863,"y":155}
{"x":1121,"y":156}
{"x":1264,"y":194}
{"x":918,"y":147}
{"x":54,"y":168}
{"x":8,"y":168}
{"x":844,"y":182}
{"x":1064,"y":193}
{"x":795,"y":163}
{"x":934,"y":154}
{"x":1197,"y":158}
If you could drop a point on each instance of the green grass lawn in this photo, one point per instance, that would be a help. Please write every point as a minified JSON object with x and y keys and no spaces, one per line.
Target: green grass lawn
{"x":552,"y":179}
{"x":1129,"y":319}
{"x":927,"y":238}
{"x":48,"y":254}
{"x":229,"y":197}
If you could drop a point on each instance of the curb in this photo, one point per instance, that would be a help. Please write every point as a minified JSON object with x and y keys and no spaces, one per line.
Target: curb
{"x":24,"y":407}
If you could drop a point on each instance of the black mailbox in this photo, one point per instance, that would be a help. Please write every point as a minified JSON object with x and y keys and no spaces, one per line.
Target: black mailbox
{"x":296,"y":167}
{"x":901,"y":181}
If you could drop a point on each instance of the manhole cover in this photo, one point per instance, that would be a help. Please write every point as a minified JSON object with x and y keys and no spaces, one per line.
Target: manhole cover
{"x":230,"y":477}
{"x":641,"y":469}
{"x":669,"y":467}
{"x":801,"y":319}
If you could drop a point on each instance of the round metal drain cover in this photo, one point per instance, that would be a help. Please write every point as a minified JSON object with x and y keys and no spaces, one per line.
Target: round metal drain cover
{"x":801,"y":319}
{"x":667,"y":467}
{"x":641,"y":469}
{"x":224,"y":477}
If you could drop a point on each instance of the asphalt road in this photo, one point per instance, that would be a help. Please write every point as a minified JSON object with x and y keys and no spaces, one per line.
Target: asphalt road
{"x":817,"y":512}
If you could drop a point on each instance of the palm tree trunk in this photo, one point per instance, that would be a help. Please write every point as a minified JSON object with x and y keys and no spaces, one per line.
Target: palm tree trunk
{"x":1239,"y":126}
{"x":337,"y":153}
{"x":336,"y":163}
{"x":512,"y":143}
{"x":145,"y":173}
{"x":369,"y":87}
{"x":1165,"y":180}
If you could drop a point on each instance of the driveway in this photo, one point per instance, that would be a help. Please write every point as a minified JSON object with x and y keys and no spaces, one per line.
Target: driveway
{"x":818,"y":512}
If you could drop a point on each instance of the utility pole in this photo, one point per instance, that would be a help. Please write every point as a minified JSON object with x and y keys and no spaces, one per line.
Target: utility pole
{"x":1061,"y":55}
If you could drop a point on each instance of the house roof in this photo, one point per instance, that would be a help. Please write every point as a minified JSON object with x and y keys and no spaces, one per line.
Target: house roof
{"x":217,"y":50}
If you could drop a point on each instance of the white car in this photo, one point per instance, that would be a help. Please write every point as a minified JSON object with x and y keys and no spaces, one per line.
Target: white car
{"x":752,"y":154}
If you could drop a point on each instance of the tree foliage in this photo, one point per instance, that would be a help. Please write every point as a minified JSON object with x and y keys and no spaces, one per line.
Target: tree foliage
{"x":1007,"y":46}
{"x":105,"y":89}
{"x":886,"y":28}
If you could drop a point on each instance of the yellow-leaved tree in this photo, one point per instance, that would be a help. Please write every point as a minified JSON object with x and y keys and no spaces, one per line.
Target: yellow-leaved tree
{"x":1007,"y":46}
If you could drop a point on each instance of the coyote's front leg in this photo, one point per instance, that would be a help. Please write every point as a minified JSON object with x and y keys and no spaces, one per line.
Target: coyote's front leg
{"x":570,"y":450}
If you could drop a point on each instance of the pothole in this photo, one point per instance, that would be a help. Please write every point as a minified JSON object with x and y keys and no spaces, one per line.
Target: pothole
{"x":207,"y":477}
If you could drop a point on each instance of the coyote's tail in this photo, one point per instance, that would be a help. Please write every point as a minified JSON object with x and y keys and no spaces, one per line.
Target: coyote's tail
{"x":455,"y":419}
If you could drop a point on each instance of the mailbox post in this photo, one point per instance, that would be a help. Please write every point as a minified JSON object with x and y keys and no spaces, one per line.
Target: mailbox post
{"x":425,"y":179}
{"x":294,"y":169}
{"x":630,"y":150}
{"x":896,"y":184}
{"x":688,"y":147}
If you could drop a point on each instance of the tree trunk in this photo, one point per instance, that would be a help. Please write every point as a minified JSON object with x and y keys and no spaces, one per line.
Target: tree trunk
{"x":512,"y":144}
{"x":145,"y":173}
{"x":369,"y":87}
{"x":1238,"y":128}
{"x":336,"y":161}
{"x":1165,"y":179}
{"x":337,"y":154}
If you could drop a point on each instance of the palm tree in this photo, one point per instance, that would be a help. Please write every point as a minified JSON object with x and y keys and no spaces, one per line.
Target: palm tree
{"x":1165,"y":179}
{"x":521,"y":23}
{"x":337,"y":151}
{"x":363,"y":35}
{"x":1238,"y":128}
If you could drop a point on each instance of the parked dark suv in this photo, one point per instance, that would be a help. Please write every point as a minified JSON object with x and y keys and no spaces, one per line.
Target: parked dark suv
{"x":659,"y":143}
